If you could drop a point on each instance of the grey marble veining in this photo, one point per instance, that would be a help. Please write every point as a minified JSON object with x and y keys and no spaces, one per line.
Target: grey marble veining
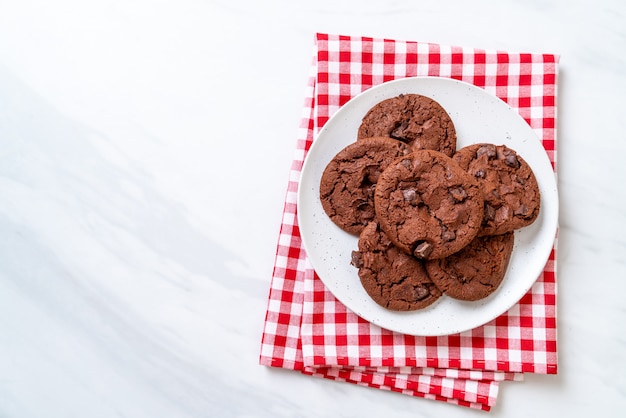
{"x":144,"y":153}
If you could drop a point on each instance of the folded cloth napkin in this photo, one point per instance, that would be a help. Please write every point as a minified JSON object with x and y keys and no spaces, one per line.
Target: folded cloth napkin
{"x":308,"y":330}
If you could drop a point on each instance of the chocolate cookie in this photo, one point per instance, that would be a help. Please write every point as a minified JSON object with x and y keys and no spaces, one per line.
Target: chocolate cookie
{"x":393,"y":279}
{"x":428,"y":205}
{"x":417,"y":120}
{"x":476,"y":271}
{"x":509,"y":187}
{"x":348,"y":181}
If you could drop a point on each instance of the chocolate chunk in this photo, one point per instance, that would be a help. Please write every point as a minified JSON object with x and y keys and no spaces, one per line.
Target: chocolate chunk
{"x":511,"y":161}
{"x":423,"y":249}
{"x":409,"y":195}
{"x":489,"y":150}
{"x":490,"y":213}
{"x":508,"y":156}
{"x":399,"y":131}
{"x":522,"y":210}
{"x":502,"y":214}
{"x":357,"y":259}
{"x":419,"y":292}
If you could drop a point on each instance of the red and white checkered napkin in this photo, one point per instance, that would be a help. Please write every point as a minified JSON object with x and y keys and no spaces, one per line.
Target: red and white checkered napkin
{"x":307,"y":329}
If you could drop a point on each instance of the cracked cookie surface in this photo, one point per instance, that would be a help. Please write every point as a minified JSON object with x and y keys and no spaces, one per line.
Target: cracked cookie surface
{"x":348,"y":181}
{"x":509,"y":187}
{"x":417,"y":120}
{"x":393,"y":279}
{"x":427,"y":205}
{"x":476,"y":271}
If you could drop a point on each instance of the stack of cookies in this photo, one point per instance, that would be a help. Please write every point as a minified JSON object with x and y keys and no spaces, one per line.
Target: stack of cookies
{"x":431,"y":219}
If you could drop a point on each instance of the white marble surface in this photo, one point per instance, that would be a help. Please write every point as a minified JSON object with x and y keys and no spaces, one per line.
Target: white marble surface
{"x":138,"y":221}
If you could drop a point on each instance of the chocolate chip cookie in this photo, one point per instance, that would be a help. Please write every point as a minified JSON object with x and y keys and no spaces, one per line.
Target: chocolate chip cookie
{"x":509,"y":187}
{"x":414,"y":119}
{"x":393,"y":279}
{"x":476,"y":271}
{"x":348,"y":181}
{"x":428,"y":205}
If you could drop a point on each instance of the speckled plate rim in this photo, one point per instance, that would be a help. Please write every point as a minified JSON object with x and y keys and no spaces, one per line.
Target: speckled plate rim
{"x":478,"y":117}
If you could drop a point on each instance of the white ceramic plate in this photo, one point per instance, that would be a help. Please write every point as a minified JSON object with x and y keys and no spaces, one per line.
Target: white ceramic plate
{"x":478,"y":117}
